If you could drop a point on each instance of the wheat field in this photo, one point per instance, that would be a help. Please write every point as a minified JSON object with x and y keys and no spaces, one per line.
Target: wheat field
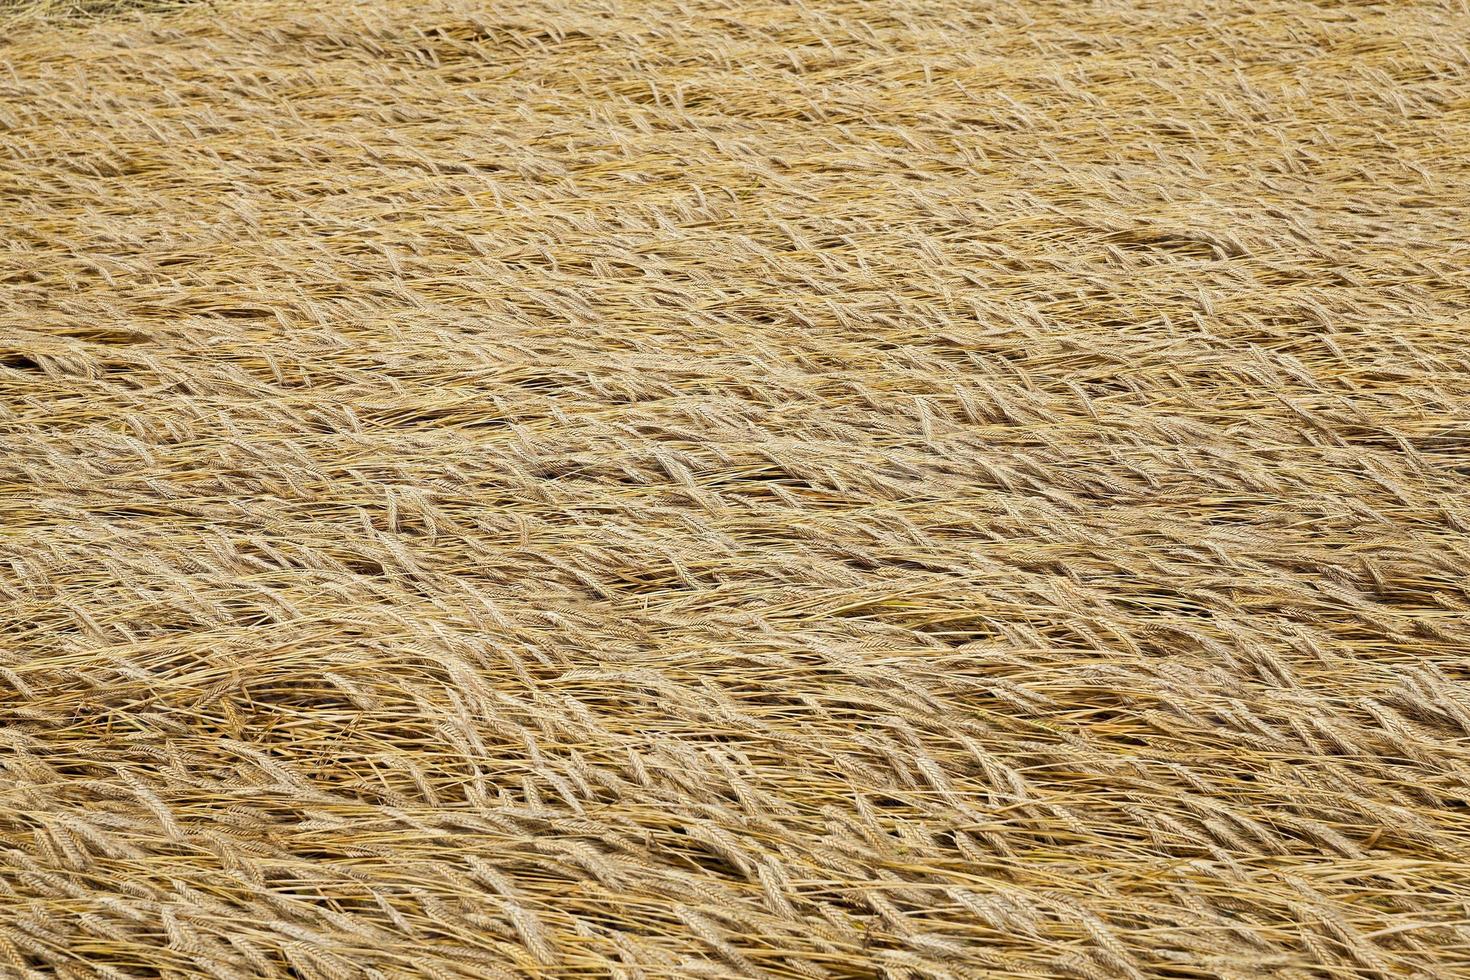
{"x":735,"y":488}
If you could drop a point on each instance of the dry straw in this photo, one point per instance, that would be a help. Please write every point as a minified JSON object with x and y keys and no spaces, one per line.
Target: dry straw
{"x":570,"y":488}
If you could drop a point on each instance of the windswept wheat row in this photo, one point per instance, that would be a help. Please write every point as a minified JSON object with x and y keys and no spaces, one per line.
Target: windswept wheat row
{"x":735,"y":488}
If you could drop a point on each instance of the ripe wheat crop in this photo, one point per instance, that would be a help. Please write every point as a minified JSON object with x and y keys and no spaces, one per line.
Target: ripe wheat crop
{"x":735,"y":488}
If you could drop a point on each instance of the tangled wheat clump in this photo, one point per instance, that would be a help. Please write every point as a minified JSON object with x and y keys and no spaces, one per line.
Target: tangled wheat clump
{"x":736,"y":488}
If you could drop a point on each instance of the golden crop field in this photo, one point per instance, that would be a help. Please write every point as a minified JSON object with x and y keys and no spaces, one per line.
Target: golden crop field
{"x":735,"y":488}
